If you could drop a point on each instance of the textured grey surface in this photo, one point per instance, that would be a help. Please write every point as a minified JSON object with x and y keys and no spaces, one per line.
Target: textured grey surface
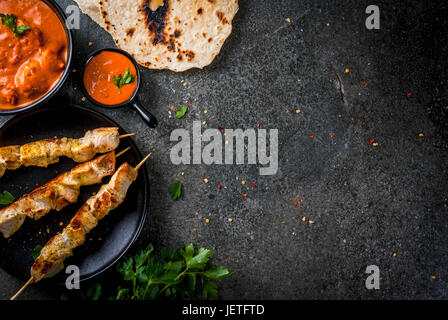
{"x":366,"y":202}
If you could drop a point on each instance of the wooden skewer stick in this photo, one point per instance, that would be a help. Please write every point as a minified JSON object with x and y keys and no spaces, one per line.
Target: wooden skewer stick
{"x":126,"y":135}
{"x":143,"y":161}
{"x":121,"y":152}
{"x":23,"y":288}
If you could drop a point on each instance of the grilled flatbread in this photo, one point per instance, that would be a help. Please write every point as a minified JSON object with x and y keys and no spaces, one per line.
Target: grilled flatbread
{"x":169,"y":34}
{"x":90,"y":8}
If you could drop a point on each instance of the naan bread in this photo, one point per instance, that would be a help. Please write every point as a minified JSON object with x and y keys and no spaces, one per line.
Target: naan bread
{"x":90,"y":8}
{"x":178,"y":35}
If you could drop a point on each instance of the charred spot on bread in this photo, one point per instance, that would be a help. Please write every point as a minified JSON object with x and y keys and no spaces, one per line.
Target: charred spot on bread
{"x":130,"y":32}
{"x":155,"y":20}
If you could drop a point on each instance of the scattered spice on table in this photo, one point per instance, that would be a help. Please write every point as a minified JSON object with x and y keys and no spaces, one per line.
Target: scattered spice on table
{"x":219,"y":186}
{"x":244,"y":195}
{"x":253,"y":185}
{"x":332,"y":134}
{"x":364,"y":84}
{"x":409,"y":94}
{"x":311,"y":135}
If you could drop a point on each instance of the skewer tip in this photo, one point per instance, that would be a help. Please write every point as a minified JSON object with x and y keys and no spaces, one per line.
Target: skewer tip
{"x":30,"y":281}
{"x":126,"y":135}
{"x":143,"y":161}
{"x":121,"y":152}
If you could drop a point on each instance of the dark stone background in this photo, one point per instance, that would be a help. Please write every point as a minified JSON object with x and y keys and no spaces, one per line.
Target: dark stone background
{"x":366,"y":202}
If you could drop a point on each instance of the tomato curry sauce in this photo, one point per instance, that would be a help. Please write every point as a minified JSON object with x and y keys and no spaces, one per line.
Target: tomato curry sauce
{"x":99,"y":74}
{"x":31,"y":63}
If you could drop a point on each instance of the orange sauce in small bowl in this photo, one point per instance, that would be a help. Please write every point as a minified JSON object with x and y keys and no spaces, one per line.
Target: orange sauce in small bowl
{"x":98,"y":78}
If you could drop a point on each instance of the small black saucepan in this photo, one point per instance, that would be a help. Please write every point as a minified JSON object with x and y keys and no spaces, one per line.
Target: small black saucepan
{"x":133,"y":101}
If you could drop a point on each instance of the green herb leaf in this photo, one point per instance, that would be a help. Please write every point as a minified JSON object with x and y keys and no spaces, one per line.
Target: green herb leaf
{"x":36,"y":251}
{"x":94,"y":292}
{"x":217,"y":273}
{"x":6,"y":198}
{"x":122,"y":294}
{"x":20,"y":30}
{"x":175,"y":190}
{"x":143,"y":255}
{"x":126,"y":269}
{"x":10,"y":21}
{"x":120,"y":81}
{"x":180,"y":113}
{"x":199,"y":260}
{"x":210,"y":290}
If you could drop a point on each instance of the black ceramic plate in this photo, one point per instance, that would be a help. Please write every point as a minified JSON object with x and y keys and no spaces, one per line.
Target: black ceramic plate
{"x":113,"y":235}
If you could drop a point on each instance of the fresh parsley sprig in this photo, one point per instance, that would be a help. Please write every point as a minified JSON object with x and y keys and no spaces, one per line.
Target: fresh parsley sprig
{"x":182,"y":273}
{"x":121,"y":80}
{"x":10,"y":21}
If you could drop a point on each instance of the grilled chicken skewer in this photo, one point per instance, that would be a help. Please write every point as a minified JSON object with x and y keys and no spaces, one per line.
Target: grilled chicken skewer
{"x":56,"y":194}
{"x":45,"y":152}
{"x":60,"y":247}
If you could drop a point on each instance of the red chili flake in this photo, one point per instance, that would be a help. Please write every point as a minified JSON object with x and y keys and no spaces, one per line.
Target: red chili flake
{"x":189,"y":104}
{"x":409,"y":94}
{"x":257,"y":216}
{"x":220,"y":128}
{"x":332,"y":134}
{"x":311,"y":135}
{"x":262,"y":214}
{"x":219,"y":186}
{"x":364,"y":84}
{"x":244,"y":195}
{"x":253,"y":185}
{"x":372,"y":141}
{"x":258,"y":126}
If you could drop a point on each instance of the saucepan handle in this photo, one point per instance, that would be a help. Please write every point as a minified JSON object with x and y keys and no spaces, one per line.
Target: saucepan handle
{"x":150,"y":120}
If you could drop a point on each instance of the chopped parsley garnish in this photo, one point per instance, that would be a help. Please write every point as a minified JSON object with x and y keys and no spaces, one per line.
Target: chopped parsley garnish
{"x":10,"y":21}
{"x":121,"y":80}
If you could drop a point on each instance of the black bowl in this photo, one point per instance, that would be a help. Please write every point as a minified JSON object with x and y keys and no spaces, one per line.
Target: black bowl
{"x":60,"y":13}
{"x":133,"y":101}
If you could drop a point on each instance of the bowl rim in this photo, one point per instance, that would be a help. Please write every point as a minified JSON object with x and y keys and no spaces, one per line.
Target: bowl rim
{"x":111,"y":106}
{"x":63,"y":18}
